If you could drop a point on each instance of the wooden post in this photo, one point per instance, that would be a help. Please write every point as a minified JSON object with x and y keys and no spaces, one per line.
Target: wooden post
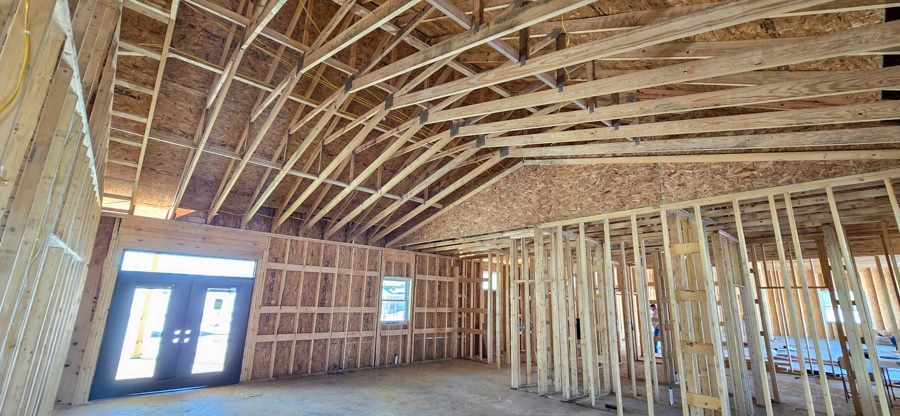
{"x":808,"y":302}
{"x":528,"y":288}
{"x":893,"y":305}
{"x":586,"y":298}
{"x":611,"y":317}
{"x":715,"y":330}
{"x":570,"y":314}
{"x":498,"y":310}
{"x":825,"y":249}
{"x":753,"y":321}
{"x":644,"y":316}
{"x":515,"y":359}
{"x":489,"y":319}
{"x":791,"y":307}
{"x":627,"y":318}
{"x":602,"y":319}
{"x":540,"y":311}
{"x":560,"y":373}
{"x":673,"y":309}
{"x":862,"y":305}
{"x":728,"y":274}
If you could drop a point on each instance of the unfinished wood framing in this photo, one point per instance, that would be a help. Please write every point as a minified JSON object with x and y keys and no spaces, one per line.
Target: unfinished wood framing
{"x":633,"y":205}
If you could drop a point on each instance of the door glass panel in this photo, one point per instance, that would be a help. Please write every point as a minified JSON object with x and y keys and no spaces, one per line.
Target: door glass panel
{"x":140,"y":261}
{"x":146,"y":319}
{"x":215,"y":327}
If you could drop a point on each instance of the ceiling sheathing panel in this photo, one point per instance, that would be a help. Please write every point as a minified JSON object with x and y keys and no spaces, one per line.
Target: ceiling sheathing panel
{"x":202,"y":42}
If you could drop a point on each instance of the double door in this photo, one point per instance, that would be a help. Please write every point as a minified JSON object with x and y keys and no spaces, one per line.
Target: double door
{"x":172,"y":331}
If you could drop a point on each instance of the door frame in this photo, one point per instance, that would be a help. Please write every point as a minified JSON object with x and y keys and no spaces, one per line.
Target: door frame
{"x":161,"y":236}
{"x":183,"y":286}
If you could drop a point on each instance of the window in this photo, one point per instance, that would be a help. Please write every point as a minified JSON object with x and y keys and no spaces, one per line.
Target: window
{"x":831,"y":313}
{"x":142,"y":261}
{"x":489,"y":280}
{"x":394,"y":300}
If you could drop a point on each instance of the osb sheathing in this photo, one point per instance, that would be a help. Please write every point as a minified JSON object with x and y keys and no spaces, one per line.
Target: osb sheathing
{"x":537,"y":194}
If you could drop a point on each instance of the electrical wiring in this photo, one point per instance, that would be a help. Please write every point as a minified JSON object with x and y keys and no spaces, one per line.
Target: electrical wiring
{"x":25,"y":58}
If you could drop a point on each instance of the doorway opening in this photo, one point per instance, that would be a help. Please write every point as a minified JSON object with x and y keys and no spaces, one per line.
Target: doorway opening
{"x":175,"y":322}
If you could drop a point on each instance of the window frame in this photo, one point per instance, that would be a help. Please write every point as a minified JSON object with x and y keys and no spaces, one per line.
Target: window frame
{"x":406,"y":300}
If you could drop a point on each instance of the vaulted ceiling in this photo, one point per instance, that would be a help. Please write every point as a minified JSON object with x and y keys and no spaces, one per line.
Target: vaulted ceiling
{"x":363,"y":117}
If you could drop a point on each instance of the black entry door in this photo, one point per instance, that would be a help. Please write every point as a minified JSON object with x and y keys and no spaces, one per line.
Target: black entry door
{"x":172,"y":331}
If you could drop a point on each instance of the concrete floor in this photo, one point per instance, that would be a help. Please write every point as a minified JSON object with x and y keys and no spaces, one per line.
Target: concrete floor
{"x":457,"y":387}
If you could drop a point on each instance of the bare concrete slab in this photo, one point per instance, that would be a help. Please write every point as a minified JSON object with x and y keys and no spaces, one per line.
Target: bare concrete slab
{"x":457,"y":387}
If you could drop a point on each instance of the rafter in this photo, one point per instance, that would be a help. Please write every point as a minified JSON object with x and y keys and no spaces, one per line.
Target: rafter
{"x":841,"y":137}
{"x":282,"y":95}
{"x":835,"y":44}
{"x":381,"y":111}
{"x":633,"y":19}
{"x":283,"y":144}
{"x":810,"y":87}
{"x":396,"y":38}
{"x":704,"y":20}
{"x":682,"y":51}
{"x":419,"y":187}
{"x":881,"y":154}
{"x":385,"y":12}
{"x":503,"y":49}
{"x":507,"y":23}
{"x":338,"y":98}
{"x":460,"y":200}
{"x":422,"y":45}
{"x":231,"y":154}
{"x":163,"y":57}
{"x":219,"y":92}
{"x":260,"y":19}
{"x":859,"y":113}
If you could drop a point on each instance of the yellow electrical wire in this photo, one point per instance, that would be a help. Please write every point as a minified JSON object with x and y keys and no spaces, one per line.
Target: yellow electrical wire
{"x":568,"y":40}
{"x":25,"y":59}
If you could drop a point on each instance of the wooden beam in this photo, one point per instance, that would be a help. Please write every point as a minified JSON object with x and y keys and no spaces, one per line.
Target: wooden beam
{"x":814,"y":86}
{"x":370,"y":22}
{"x":859,"y":113}
{"x":638,"y":18}
{"x":415,"y":190}
{"x":279,"y":38}
{"x":222,"y":192}
{"x":421,"y":45}
{"x":840,"y":137}
{"x":711,"y":18}
{"x":835,"y":44}
{"x":376,"y":114}
{"x":501,"y":47}
{"x":255,"y":25}
{"x":167,"y":43}
{"x":455,"y":203}
{"x":147,"y":9}
{"x":396,"y":38}
{"x":679,"y":51}
{"x":251,"y":148}
{"x":362,"y":176}
{"x":219,"y":92}
{"x":728,"y":158}
{"x":507,"y":23}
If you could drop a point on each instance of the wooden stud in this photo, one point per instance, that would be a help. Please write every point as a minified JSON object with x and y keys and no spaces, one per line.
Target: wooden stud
{"x":864,"y":312}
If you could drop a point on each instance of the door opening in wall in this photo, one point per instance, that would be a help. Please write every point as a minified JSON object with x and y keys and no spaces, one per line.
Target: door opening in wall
{"x":175,"y":321}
